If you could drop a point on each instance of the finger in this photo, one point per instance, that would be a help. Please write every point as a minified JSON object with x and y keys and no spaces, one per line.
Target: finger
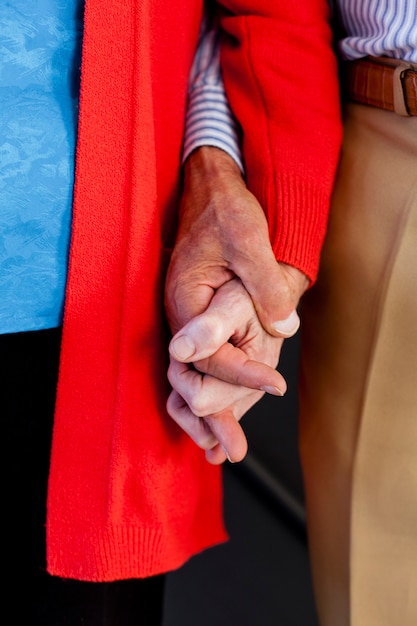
{"x":229,"y":434}
{"x":194,"y":426}
{"x":232,"y":442}
{"x":204,"y":394}
{"x":201,"y":337}
{"x":232,"y":365}
{"x":230,"y":315}
{"x":275,"y":290}
{"x":230,"y":311}
{"x":275,"y":304}
{"x":220,"y":433}
{"x":184,"y":302}
{"x":216,"y":455}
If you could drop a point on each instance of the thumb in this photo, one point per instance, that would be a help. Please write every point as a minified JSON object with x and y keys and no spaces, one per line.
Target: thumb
{"x":231,"y":309}
{"x":275,"y":289}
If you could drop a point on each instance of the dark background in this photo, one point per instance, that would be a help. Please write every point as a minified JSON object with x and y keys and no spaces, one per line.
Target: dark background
{"x":261,"y":576}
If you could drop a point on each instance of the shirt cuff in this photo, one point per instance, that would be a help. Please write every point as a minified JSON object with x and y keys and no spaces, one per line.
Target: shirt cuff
{"x":210,"y":122}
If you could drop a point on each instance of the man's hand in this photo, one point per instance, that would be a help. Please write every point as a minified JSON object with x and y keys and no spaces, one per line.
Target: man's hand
{"x":223,"y":233}
{"x":233,"y":365}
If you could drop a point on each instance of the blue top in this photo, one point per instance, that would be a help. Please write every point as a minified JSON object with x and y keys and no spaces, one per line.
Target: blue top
{"x":40,"y":43}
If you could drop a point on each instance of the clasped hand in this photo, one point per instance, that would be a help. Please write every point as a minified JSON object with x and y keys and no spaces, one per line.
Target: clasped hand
{"x":229,"y":305}
{"x":232,"y":364}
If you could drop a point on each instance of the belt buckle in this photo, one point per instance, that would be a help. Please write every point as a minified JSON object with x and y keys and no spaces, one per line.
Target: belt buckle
{"x":400,"y":106}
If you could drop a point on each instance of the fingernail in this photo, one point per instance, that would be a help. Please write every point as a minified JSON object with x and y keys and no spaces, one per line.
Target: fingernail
{"x":288,"y":326}
{"x":274,"y":391}
{"x":227,"y":454}
{"x":182,"y":348}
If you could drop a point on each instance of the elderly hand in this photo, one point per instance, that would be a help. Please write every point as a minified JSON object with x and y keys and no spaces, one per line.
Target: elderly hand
{"x":234,"y":362}
{"x":222,"y":235}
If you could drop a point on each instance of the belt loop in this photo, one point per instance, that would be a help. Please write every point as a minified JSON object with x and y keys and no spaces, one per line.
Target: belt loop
{"x":398,"y":90}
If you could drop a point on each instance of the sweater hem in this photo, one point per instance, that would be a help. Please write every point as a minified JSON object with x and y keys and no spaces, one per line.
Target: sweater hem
{"x":121,"y":552}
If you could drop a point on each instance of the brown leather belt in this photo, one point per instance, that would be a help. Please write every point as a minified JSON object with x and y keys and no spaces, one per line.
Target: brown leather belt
{"x":382,"y":82}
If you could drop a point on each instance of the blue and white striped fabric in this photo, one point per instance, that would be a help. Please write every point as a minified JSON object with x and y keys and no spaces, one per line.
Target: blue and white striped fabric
{"x":379,"y":28}
{"x":209,"y":120}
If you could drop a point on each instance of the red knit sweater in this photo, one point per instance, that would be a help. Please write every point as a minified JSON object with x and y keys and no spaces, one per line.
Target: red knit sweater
{"x":129,"y":494}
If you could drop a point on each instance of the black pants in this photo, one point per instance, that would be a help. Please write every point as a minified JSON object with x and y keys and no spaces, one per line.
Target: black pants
{"x":28,"y":370}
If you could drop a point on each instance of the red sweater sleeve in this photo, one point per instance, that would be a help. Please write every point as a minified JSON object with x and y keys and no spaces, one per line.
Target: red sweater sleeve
{"x":280,"y":75}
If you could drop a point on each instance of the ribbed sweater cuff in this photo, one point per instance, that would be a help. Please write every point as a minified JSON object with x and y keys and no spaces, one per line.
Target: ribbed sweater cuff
{"x":120,"y":552}
{"x":297,"y":212}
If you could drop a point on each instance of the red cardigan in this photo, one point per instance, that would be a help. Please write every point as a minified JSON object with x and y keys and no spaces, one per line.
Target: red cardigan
{"x":129,"y":494}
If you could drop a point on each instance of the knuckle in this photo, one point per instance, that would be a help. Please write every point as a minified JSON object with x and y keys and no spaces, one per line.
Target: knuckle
{"x":285,"y":292}
{"x":199,"y":405}
{"x":208,"y":329}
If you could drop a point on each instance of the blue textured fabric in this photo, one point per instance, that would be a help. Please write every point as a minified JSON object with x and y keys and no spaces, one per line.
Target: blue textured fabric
{"x":40,"y":44}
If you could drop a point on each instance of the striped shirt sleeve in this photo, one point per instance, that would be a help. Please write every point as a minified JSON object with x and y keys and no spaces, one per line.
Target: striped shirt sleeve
{"x":378,"y":28}
{"x":209,"y":120}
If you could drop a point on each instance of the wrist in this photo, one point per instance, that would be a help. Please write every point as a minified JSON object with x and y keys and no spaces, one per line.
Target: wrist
{"x":208,"y":162}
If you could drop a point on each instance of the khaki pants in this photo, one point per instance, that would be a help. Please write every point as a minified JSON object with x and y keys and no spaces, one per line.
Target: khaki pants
{"x":358,"y":383}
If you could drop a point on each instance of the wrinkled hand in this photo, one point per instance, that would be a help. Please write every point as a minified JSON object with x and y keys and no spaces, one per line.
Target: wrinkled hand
{"x":223,"y":234}
{"x":239,"y":356}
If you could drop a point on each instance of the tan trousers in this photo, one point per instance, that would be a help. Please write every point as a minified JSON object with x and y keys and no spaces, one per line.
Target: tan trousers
{"x":358,"y":383}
